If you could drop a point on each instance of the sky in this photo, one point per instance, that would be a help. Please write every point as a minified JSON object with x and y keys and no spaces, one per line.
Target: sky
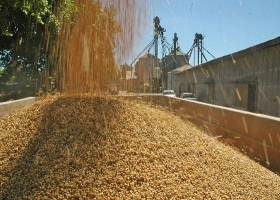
{"x":227,"y":26}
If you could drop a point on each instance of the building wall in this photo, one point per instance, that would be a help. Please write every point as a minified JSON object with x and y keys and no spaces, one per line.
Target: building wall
{"x":146,"y":72}
{"x":169,"y":61}
{"x":167,"y":65}
{"x":246,"y":80}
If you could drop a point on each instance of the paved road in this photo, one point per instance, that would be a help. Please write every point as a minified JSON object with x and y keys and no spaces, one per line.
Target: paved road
{"x":124,"y":93}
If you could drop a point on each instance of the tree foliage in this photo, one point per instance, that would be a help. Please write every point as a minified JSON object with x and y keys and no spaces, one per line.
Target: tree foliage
{"x":22,"y":33}
{"x":27,"y":28}
{"x":40,"y":41}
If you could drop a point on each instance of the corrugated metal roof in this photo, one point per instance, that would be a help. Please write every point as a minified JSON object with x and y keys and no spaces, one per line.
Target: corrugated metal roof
{"x":179,"y":53}
{"x":147,"y":56}
{"x":181,"y":69}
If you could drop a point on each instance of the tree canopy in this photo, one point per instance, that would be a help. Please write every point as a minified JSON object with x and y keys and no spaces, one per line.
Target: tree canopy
{"x":35,"y":37}
{"x":22,"y":33}
{"x":66,"y":45}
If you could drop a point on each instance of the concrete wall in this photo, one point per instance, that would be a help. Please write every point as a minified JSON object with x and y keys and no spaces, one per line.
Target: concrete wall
{"x":256,"y":135}
{"x":8,"y":107}
{"x":246,"y":80}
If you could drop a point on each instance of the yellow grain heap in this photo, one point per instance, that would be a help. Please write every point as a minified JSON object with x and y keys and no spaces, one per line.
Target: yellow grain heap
{"x":85,"y":147}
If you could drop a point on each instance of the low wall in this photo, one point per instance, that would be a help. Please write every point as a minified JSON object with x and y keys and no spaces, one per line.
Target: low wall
{"x":256,"y":135}
{"x":7,"y":107}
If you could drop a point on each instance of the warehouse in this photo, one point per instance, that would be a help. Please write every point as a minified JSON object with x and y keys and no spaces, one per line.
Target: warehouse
{"x":247,"y":80}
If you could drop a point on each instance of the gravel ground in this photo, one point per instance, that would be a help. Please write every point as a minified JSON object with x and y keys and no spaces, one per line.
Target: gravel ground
{"x":86,"y":147}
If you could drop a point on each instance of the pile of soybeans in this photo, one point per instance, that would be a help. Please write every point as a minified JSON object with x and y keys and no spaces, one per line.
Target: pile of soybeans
{"x":86,"y":147}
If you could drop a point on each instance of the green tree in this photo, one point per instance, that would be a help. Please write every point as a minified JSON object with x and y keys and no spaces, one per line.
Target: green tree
{"x":22,"y":29}
{"x":51,"y":38}
{"x":27,"y":28}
